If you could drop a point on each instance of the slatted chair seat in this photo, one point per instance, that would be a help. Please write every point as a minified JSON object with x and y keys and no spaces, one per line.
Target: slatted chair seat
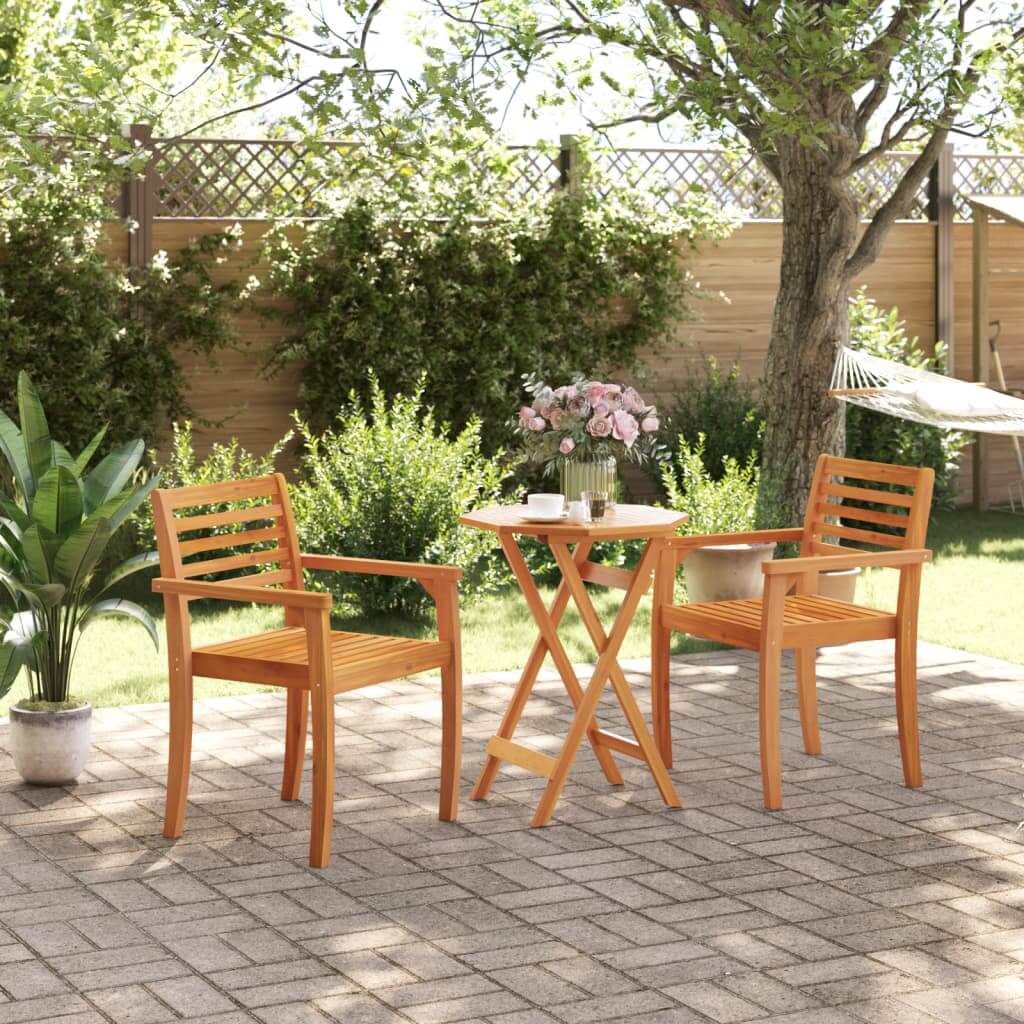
{"x":244,"y":530}
{"x":806,"y":619}
{"x":281,"y":658}
{"x":850,"y":501}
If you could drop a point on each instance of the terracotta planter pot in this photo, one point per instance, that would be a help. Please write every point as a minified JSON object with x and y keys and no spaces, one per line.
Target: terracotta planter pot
{"x":51,"y":748}
{"x":729,"y":572}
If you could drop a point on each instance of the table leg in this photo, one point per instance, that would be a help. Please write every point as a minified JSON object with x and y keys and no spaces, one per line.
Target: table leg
{"x":547,"y":621}
{"x":647,"y":748}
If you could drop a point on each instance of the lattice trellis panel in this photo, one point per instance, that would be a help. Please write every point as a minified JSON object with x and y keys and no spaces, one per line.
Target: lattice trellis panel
{"x":985,"y":174}
{"x":535,"y":171}
{"x":737,"y":181}
{"x":222,"y":178}
{"x":740,"y":181}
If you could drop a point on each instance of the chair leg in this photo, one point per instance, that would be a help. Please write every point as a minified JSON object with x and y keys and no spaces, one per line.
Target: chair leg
{"x":179,"y":759}
{"x":451,"y":740}
{"x":771,"y":756}
{"x":295,"y":743}
{"x":906,"y":707}
{"x":661,"y":640}
{"x":807,"y":694}
{"x":322,"y":699}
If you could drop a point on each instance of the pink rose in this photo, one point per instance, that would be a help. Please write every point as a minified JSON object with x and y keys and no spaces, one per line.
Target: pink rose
{"x":601,"y":408}
{"x":624,"y":427}
{"x":538,"y":423}
{"x":566,"y":445}
{"x":595,"y":391}
{"x":631,"y":401}
{"x":566,"y":392}
{"x":650,"y":424}
{"x":599,"y":426}
{"x":526,"y":413}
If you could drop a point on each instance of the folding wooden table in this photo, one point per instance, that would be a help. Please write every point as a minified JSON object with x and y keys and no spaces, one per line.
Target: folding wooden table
{"x":570,"y":544}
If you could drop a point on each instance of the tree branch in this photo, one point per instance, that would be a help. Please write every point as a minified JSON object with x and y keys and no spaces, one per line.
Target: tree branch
{"x":896,"y":205}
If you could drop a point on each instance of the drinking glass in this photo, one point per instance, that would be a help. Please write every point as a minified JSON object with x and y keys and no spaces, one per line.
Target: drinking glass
{"x":598,"y":503}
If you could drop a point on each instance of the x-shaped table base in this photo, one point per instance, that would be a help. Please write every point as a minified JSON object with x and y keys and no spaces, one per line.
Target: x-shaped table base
{"x":575,"y":571}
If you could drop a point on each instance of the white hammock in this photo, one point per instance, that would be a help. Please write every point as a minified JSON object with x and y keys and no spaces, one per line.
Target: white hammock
{"x":924,"y":397}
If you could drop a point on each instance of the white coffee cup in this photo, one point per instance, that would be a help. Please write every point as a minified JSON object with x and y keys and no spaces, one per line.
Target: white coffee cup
{"x":545,"y":504}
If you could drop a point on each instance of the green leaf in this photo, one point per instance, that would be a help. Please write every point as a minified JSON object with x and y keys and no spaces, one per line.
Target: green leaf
{"x":15,"y":512}
{"x":35,"y":430}
{"x":10,"y":665}
{"x":111,"y":476}
{"x":39,"y":546}
{"x":90,"y":450}
{"x":47,"y":595}
{"x":79,"y":554}
{"x":132,"y":565}
{"x":57,"y":504}
{"x":122,"y":505}
{"x":12,"y":446}
{"x":128,"y":609}
{"x":61,"y":456}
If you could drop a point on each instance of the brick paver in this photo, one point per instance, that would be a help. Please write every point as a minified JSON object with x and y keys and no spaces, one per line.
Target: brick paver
{"x":860,"y":902}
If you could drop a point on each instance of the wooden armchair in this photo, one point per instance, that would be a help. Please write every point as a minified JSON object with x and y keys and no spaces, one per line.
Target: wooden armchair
{"x":306,"y":656}
{"x":802,"y":620}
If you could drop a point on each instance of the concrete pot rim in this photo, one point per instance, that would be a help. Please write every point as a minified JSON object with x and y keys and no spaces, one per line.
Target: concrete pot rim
{"x":28,"y":714}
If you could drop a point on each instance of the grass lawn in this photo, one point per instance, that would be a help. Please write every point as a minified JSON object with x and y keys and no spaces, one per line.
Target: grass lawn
{"x":969,"y":600}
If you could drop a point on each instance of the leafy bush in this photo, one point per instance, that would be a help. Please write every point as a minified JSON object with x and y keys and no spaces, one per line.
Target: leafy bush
{"x":478,"y":297}
{"x":100,"y":341}
{"x":184,"y":468}
{"x":725,"y":505}
{"x":388,"y":481}
{"x":880,"y":438}
{"x":726,"y":409}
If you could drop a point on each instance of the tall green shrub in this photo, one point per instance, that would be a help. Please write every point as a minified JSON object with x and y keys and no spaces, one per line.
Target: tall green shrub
{"x":726,"y":409}
{"x":100,"y":342}
{"x":475,"y":299}
{"x":387,"y":480}
{"x":880,"y":438}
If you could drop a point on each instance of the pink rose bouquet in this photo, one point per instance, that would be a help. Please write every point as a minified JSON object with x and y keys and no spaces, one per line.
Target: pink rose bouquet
{"x":587,"y":419}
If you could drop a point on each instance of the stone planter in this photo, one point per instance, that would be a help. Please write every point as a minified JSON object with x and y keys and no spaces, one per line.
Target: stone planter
{"x":839,"y":584}
{"x":50,"y":748}
{"x":727,"y":572}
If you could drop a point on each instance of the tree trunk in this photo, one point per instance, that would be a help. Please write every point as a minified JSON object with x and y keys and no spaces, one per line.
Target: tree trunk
{"x":810,"y":324}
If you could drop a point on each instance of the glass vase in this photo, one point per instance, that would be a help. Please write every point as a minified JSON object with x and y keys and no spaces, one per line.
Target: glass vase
{"x":589,"y":475}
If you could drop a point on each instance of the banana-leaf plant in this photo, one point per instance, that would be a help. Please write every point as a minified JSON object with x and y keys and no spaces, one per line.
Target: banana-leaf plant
{"x":53,"y":533}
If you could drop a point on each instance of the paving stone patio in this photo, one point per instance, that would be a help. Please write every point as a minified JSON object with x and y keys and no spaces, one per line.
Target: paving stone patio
{"x":861,"y":901}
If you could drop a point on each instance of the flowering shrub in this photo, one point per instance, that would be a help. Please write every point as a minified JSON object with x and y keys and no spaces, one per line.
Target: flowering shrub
{"x":102,"y":343}
{"x":428,"y":273}
{"x":588,"y":420}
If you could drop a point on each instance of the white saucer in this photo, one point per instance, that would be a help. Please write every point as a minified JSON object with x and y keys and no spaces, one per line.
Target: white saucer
{"x":526,"y":517}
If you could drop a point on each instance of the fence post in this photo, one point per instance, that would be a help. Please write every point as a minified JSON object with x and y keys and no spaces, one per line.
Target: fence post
{"x":940,"y":213}
{"x":570,"y":163}
{"x":139,"y":195}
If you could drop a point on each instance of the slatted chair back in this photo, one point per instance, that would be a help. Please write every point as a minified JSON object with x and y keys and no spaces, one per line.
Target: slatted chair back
{"x":243,"y":530}
{"x":866,"y":503}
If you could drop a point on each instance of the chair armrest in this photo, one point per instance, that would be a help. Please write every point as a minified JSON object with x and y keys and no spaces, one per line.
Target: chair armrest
{"x":378,"y":567}
{"x":196,"y":589}
{"x":819,"y":563}
{"x":796,"y":533}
